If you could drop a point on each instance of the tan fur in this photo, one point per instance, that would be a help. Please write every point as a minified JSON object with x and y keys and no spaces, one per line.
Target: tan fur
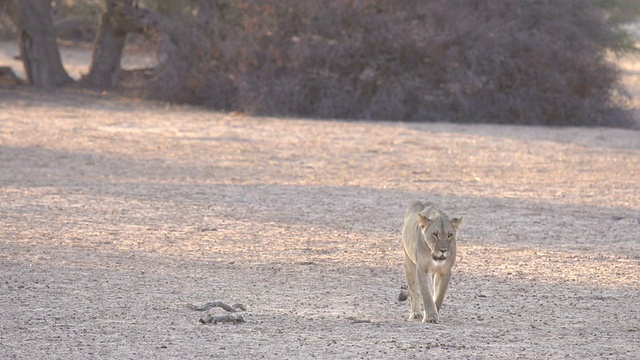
{"x":429,"y":243}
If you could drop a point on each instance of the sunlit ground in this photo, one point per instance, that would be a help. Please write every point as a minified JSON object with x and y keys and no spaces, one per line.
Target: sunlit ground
{"x":114,"y":212}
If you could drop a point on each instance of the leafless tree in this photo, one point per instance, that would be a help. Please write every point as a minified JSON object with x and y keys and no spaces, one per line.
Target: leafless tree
{"x":37,"y":42}
{"x":41,"y":57}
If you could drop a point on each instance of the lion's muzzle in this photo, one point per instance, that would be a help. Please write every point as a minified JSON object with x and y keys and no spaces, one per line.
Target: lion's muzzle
{"x":440,"y":255}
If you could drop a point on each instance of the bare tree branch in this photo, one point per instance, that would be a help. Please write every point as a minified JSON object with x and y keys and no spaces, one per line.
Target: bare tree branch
{"x":220,"y":304}
{"x":234,"y":317}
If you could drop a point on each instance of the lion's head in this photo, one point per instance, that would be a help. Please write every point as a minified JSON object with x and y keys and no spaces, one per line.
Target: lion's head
{"x":439,"y":232}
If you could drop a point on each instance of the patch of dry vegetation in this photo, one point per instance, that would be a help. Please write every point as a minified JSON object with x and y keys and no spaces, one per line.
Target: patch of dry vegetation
{"x":525,"y":62}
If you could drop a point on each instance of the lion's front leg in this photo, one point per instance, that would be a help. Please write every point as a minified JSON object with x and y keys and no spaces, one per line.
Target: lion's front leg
{"x":441,"y":285}
{"x":414,"y":299}
{"x":425,"y":281}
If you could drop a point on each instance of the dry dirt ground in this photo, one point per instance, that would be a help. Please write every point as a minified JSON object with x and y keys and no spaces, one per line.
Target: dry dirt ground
{"x":116,"y":213}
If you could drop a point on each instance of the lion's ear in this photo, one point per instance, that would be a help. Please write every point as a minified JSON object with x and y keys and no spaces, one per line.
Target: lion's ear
{"x":423,"y":221}
{"x":430,"y":213}
{"x":456,"y":222}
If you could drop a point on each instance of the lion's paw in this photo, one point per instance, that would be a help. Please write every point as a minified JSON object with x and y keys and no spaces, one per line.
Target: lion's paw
{"x":433,"y":319}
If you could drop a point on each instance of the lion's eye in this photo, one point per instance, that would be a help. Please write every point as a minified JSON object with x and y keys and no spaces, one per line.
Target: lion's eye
{"x":449,"y":236}
{"x":435,"y":235}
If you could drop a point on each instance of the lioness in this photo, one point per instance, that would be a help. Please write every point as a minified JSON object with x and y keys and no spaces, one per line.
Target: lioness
{"x":429,"y":243}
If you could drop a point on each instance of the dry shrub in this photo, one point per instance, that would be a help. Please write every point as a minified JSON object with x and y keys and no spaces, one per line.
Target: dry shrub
{"x":500,"y":61}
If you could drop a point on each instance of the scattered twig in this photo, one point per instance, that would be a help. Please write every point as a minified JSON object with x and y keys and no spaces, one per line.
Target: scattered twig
{"x":355,"y":320}
{"x":361,"y":321}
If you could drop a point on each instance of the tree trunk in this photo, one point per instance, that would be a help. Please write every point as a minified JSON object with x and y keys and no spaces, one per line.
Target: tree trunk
{"x":178,"y":49}
{"x":37,"y":42}
{"x":104,"y":70}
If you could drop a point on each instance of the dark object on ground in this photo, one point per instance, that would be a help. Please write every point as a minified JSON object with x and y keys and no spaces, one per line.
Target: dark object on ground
{"x":234,"y":317}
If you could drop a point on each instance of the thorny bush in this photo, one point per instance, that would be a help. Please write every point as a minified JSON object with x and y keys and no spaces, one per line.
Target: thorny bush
{"x":541,"y":62}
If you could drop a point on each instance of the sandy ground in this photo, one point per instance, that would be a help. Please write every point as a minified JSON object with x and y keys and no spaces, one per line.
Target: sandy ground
{"x":75,"y":59}
{"x":115,"y":213}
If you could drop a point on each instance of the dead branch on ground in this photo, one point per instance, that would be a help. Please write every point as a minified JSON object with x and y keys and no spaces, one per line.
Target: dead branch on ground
{"x":220,"y":304}
{"x":234,"y":317}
